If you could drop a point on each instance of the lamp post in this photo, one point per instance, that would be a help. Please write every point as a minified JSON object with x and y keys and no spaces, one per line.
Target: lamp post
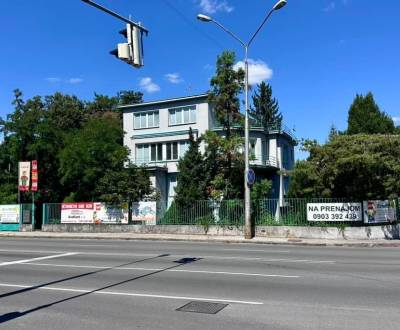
{"x":248,"y":230}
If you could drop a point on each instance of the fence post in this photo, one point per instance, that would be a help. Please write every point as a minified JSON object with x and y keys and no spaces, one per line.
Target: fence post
{"x":44,"y":208}
{"x":33,"y":215}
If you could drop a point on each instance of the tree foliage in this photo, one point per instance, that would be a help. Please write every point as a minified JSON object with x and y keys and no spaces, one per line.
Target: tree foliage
{"x":357,"y":167}
{"x":76,"y":143}
{"x":191,"y":175}
{"x":365,"y":117}
{"x":265,"y":110}
{"x":224,"y":95}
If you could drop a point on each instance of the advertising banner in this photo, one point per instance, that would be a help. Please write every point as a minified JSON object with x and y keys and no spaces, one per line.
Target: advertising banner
{"x":380,"y":211}
{"x":96,"y":213}
{"x":9,"y":213}
{"x":111,"y":214}
{"x":77,"y":213}
{"x":146,"y":212}
{"x":334,"y":212}
{"x":35,"y":177}
{"x":24,"y":176}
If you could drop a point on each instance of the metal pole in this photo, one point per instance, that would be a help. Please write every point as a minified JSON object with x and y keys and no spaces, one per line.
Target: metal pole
{"x":248,"y":229}
{"x":108,"y":11}
{"x":248,"y":225}
{"x":19,"y":192}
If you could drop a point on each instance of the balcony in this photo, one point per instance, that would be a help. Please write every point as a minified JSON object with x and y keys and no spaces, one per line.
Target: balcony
{"x":151,"y":164}
{"x":270,"y":161}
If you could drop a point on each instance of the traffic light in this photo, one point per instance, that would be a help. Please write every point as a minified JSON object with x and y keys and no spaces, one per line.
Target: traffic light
{"x":131,"y":51}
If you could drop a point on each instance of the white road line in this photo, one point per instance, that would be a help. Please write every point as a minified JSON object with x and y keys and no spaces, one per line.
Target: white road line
{"x":35,"y":259}
{"x":262,"y":259}
{"x":256,"y":250}
{"x":168,"y":270}
{"x":128,"y":294}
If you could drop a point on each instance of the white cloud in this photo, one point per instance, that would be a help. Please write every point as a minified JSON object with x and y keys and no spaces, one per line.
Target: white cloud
{"x":148,"y":85}
{"x":331,"y":6}
{"x":74,"y":81}
{"x":396,"y":120}
{"x":213,"y":6}
{"x":174,"y":78}
{"x":53,"y":80}
{"x":258,"y":71}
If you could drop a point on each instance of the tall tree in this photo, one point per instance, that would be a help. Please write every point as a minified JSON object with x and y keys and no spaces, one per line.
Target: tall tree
{"x":191,"y":175}
{"x":226,"y":178}
{"x":265,"y":107}
{"x":224,"y":95}
{"x":366,"y":117}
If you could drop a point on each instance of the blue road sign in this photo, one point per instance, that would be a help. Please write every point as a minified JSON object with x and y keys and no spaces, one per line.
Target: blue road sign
{"x":251,"y":177}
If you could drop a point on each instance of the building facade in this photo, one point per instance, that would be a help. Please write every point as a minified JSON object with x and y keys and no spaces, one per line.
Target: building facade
{"x":157,"y":135}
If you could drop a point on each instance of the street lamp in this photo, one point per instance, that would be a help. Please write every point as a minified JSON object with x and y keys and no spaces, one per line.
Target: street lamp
{"x":248,"y":229}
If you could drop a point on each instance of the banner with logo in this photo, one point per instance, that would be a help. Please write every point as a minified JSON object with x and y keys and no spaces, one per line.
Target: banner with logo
{"x":146,"y":212}
{"x":379,"y":211}
{"x":24,"y":176}
{"x":35,"y":176}
{"x":96,"y":213}
{"x":334,"y":212}
{"x":9,"y":213}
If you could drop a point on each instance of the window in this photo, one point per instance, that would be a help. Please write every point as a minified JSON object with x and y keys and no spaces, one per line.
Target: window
{"x":172,"y":150}
{"x":183,"y":148}
{"x":142,"y":153}
{"x":156,"y":152}
{"x":183,"y":115}
{"x":146,"y":119}
{"x":252,"y":150}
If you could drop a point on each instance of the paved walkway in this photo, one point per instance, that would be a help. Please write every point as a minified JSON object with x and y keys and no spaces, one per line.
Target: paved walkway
{"x":205,"y":238}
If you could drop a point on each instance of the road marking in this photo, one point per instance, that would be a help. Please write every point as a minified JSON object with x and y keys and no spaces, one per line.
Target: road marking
{"x":168,"y":270}
{"x":256,"y":250}
{"x":308,"y":261}
{"x":39,"y":258}
{"x":128,"y":294}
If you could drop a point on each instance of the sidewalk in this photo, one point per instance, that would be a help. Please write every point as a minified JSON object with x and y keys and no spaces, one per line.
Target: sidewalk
{"x":205,"y":238}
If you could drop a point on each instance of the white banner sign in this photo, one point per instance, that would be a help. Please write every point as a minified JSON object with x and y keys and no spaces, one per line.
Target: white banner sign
{"x":145,"y":211}
{"x":9,"y":213}
{"x":379,"y":211}
{"x":24,"y":176}
{"x":334,"y":212}
{"x":96,"y":213}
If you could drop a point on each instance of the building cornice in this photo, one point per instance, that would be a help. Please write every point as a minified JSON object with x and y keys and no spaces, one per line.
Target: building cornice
{"x":178,"y":99}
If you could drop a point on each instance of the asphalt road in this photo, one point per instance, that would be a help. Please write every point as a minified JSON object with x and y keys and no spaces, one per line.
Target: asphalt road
{"x":112,"y":284}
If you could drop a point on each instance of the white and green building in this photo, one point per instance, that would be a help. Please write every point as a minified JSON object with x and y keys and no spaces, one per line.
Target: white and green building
{"x":157,"y":134}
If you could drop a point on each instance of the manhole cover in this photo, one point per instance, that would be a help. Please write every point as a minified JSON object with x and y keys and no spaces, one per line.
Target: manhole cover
{"x":202,"y":307}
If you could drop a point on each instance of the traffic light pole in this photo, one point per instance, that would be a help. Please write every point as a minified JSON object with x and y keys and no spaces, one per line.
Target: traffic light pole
{"x":110,"y":12}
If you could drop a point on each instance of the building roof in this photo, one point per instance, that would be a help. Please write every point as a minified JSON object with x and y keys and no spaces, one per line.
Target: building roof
{"x":185,"y":98}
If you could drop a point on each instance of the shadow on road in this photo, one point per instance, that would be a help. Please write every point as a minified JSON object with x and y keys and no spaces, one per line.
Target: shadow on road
{"x":13,"y":315}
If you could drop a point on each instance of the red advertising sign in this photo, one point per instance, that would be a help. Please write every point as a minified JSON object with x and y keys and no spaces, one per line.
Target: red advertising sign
{"x":35,"y":177}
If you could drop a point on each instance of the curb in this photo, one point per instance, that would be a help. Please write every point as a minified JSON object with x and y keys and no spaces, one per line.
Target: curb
{"x":211,"y":239}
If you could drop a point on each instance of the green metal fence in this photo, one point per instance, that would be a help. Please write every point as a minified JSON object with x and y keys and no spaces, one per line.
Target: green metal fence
{"x":289,"y":212}
{"x":267,"y":212}
{"x":227,"y":212}
{"x":51,"y":214}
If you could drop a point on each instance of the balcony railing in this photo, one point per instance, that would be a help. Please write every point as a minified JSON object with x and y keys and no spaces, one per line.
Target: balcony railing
{"x":269,"y":161}
{"x":274,"y":128}
{"x":150,"y":163}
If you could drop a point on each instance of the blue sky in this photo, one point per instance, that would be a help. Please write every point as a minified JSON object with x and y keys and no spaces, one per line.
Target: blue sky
{"x":317,"y":54}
